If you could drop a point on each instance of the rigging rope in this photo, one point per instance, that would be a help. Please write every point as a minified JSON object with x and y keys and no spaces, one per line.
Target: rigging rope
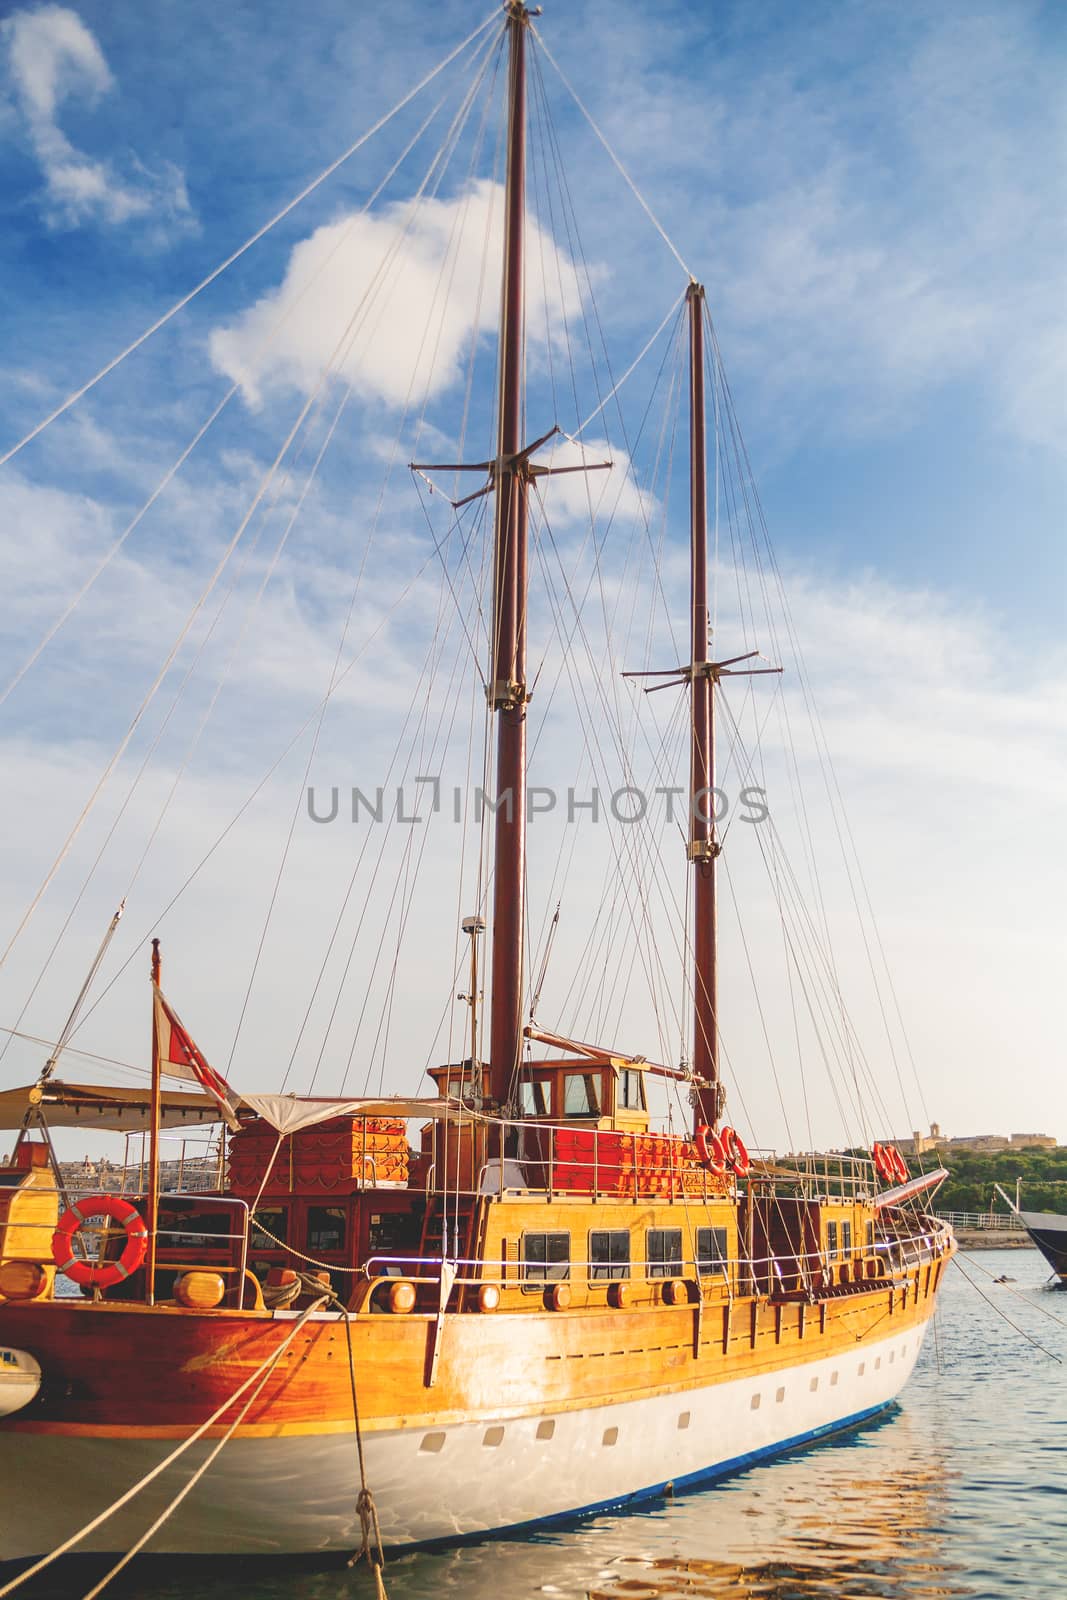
{"x":638,"y":196}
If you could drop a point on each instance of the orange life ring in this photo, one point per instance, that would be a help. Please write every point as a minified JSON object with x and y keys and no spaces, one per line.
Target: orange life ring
{"x":735,"y":1151}
{"x":102,"y":1275}
{"x":900,"y":1166}
{"x":710,"y":1149}
{"x":883,"y":1162}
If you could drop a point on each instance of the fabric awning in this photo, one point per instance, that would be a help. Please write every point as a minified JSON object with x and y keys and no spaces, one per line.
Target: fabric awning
{"x":289,"y":1113}
{"x":114,"y":1110}
{"x":84,"y":1105}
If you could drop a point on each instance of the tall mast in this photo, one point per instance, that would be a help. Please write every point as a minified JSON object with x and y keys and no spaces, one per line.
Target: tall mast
{"x":507,"y":689}
{"x":703,"y":845}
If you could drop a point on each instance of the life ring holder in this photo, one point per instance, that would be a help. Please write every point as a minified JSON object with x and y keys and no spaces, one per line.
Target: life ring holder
{"x":103,"y":1274}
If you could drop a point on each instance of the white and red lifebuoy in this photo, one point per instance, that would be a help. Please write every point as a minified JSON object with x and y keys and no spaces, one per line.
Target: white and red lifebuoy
{"x":721,"y":1150}
{"x":709,"y":1149}
{"x":889,"y":1163}
{"x":104,"y":1274}
{"x":735,"y":1151}
{"x":883,"y":1162}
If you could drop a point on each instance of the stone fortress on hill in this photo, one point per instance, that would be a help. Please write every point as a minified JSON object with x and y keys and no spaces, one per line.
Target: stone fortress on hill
{"x":988,"y":1143}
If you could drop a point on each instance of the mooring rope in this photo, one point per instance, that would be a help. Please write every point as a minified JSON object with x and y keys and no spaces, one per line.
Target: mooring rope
{"x":1000,"y":1313}
{"x":371,"y":1545}
{"x":262,"y":1372}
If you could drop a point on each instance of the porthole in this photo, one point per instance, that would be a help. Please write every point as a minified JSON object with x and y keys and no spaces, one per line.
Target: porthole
{"x":861,"y":1369}
{"x":493,"y":1436}
{"x":683,"y":1419}
{"x":833,"y":1378}
{"x":755,"y":1401}
{"x":813,"y":1385}
{"x":877,"y":1362}
{"x":432,"y":1443}
{"x":545,"y":1430}
{"x":611,"y":1436}
{"x":779,"y":1396}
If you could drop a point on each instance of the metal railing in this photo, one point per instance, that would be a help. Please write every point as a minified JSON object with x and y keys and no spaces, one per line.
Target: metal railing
{"x":888,"y":1261}
{"x":984,"y":1221}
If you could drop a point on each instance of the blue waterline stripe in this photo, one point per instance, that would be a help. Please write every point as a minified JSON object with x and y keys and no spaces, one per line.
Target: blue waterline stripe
{"x":688,"y":1480}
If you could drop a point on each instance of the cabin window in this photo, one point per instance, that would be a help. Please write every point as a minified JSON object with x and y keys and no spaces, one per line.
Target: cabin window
{"x":664,"y":1252}
{"x":831,"y":1241}
{"x":711,"y":1250}
{"x":276,"y":1219}
{"x":546,"y":1256}
{"x":581,"y":1096}
{"x":326,"y":1228}
{"x":386,"y":1232}
{"x":184,"y":1229}
{"x":631,"y":1090}
{"x":846,"y":1238}
{"x":609,"y":1253}
{"x":533,"y":1100}
{"x":870,"y":1235}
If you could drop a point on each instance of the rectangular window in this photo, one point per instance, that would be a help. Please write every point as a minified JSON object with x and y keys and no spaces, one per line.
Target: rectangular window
{"x":846,"y":1239}
{"x":711,"y":1250}
{"x":326,"y":1228}
{"x":631,"y":1090}
{"x":870,"y":1235}
{"x":276,"y":1218}
{"x":664,"y":1247}
{"x":546,"y":1256}
{"x":533,"y":1100}
{"x":609,"y":1254}
{"x":580,"y":1096}
{"x":831,"y":1240}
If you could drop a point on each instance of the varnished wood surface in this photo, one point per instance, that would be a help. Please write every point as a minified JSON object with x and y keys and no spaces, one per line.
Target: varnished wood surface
{"x":135,"y":1371}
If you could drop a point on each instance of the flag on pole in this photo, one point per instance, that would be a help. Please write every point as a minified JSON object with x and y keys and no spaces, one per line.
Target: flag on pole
{"x":179,"y":1057}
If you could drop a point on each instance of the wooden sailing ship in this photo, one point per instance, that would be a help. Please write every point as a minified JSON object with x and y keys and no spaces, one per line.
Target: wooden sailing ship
{"x":517,"y":1297}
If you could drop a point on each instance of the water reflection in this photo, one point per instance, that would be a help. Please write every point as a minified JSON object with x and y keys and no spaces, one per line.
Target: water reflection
{"x":865,"y":1516}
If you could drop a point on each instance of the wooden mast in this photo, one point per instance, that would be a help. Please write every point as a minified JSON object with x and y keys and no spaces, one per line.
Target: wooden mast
{"x":703,"y":844}
{"x":507,"y":691}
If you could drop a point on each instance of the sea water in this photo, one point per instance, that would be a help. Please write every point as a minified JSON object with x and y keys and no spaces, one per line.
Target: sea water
{"x":960,"y":1490}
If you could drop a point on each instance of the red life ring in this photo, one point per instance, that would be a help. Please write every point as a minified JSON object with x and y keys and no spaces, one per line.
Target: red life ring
{"x":734,"y":1149}
{"x":883,"y":1161}
{"x":900,"y":1166}
{"x":102,"y":1275}
{"x":710,"y":1149}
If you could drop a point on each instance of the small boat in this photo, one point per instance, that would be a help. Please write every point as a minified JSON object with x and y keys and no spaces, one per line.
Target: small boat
{"x":411,"y":1319}
{"x":1047,"y":1229}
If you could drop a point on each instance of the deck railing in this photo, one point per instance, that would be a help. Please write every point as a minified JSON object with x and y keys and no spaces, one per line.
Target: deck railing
{"x":983,"y":1221}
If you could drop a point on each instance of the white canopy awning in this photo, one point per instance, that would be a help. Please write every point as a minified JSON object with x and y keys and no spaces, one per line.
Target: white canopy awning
{"x":114,"y":1110}
{"x":289,"y":1113}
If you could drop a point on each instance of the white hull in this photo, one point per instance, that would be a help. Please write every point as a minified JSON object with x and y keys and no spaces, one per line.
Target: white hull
{"x":296,"y":1494}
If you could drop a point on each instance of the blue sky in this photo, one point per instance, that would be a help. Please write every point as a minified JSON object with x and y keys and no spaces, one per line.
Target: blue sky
{"x":874,"y":197}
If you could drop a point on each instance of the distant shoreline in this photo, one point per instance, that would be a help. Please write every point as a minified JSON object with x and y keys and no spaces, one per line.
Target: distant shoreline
{"x":992,"y":1239}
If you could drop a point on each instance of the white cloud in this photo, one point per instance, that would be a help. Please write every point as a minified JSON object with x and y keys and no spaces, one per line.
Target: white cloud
{"x":607,"y":493}
{"x":52,"y":58}
{"x":392,"y":298}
